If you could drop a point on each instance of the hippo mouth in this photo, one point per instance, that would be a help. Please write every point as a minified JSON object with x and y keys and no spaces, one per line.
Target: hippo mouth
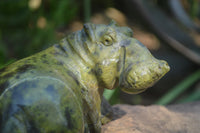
{"x":139,"y":76}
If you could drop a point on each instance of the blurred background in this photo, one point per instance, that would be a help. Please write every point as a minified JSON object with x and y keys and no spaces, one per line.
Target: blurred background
{"x":169,"y":28}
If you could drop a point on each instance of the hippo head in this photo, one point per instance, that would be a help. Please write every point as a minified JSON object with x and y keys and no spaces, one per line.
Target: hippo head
{"x":120,"y":60}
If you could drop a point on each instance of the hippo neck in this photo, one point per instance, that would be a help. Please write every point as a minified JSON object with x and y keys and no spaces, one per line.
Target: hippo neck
{"x":77,"y":53}
{"x":75,"y":45}
{"x":76,"y":48}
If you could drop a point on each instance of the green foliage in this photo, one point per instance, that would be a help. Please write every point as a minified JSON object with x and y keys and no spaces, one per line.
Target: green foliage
{"x":180,"y":88}
{"x":87,"y":10}
{"x":194,"y":8}
{"x":112,"y":95}
{"x":26,"y":29}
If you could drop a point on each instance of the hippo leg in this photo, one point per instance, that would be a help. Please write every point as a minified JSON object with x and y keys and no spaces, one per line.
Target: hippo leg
{"x":106,"y":111}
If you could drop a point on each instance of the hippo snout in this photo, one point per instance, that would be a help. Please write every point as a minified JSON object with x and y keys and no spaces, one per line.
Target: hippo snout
{"x":139,"y":76}
{"x":163,"y":67}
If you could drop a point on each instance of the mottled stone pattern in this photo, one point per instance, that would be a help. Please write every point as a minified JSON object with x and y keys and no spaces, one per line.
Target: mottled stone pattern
{"x":60,"y":89}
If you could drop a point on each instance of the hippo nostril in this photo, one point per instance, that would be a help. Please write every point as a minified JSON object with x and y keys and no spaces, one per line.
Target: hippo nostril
{"x":164,"y":65}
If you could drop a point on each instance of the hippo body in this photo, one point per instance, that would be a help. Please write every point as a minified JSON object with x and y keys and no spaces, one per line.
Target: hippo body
{"x":60,"y":89}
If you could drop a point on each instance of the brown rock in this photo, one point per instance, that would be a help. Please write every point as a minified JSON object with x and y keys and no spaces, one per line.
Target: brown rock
{"x":182,"y":118}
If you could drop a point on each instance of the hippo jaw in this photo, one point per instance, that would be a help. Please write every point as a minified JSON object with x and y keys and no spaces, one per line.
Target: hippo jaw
{"x":140,"y":69}
{"x":140,"y":76}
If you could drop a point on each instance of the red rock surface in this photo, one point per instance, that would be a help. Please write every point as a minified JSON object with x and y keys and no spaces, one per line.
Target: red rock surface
{"x":182,"y":118}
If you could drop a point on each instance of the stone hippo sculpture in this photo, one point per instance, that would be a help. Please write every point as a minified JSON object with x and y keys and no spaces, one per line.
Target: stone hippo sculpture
{"x":60,"y":89}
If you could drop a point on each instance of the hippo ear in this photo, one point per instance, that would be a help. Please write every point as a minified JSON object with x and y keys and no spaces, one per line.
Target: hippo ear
{"x":112,"y":23}
{"x":89,"y":30}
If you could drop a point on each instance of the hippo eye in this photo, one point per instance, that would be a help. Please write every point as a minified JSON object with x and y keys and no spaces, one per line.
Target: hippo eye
{"x":108,"y":40}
